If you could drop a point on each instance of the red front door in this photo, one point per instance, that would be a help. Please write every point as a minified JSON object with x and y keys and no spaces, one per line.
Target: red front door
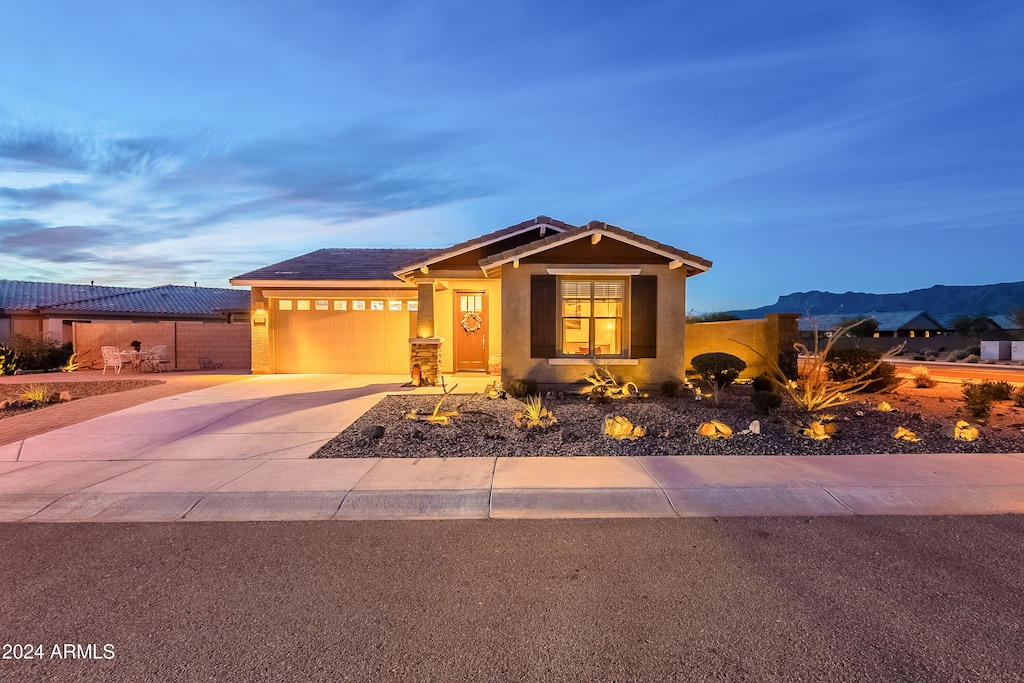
{"x":470,"y":331}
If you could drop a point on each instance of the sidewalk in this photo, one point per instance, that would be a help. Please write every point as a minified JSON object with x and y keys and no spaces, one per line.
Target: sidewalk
{"x":240,"y":451}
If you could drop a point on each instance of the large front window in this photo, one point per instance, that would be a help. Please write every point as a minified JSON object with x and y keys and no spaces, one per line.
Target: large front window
{"x":592,"y":317}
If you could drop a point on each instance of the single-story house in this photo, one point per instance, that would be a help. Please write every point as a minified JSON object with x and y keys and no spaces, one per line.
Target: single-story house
{"x":902,"y":324}
{"x":539,"y":299}
{"x":34,"y":309}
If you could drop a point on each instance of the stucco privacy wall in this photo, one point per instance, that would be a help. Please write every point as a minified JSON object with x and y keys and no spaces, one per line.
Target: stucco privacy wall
{"x":768,"y":337}
{"x":186,"y":342}
{"x":515,"y":332}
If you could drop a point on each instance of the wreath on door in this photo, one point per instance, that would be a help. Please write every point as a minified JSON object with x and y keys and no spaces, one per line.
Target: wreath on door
{"x":471,"y":321}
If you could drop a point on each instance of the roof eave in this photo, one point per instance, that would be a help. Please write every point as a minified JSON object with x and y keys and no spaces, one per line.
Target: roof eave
{"x":327,"y":284}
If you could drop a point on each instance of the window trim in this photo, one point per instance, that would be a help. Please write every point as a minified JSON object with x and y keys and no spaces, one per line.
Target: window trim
{"x":576,"y":275}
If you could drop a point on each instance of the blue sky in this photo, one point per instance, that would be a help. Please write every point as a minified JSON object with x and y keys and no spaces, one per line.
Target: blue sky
{"x":874,"y":146}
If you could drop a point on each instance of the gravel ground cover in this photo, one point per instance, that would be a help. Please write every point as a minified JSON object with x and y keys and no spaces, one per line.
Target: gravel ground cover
{"x":76,"y":389}
{"x":485,"y":428}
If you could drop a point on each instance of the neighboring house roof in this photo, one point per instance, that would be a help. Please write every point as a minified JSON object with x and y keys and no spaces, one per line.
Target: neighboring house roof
{"x":337,"y":264}
{"x":592,"y":228}
{"x":887,"y":321}
{"x":1005,"y":322}
{"x":489,"y":238}
{"x":993,"y":324}
{"x":168,"y":300}
{"x":16,"y":295}
{"x":164,"y":300}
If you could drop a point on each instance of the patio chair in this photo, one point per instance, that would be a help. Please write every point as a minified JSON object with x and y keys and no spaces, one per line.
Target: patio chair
{"x":111,"y":359}
{"x":157,"y":357}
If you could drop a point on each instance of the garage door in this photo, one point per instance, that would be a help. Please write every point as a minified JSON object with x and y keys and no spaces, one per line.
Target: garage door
{"x":332,"y":336}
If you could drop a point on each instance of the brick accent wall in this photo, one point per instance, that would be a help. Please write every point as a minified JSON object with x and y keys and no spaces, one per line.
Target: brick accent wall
{"x":186,"y":342}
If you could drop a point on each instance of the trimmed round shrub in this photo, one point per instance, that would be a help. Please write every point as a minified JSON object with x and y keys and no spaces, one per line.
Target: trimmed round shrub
{"x":766,"y":402}
{"x":521,"y":388}
{"x":762,"y":383}
{"x":719,"y":369}
{"x":845,"y":364}
{"x":973,"y":358}
{"x":669,"y":388}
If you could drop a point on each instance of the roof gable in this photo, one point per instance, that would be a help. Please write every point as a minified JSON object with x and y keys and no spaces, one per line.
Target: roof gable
{"x":595,"y":231}
{"x":471,"y":252}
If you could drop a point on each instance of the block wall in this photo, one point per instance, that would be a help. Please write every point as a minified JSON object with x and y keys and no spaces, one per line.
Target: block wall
{"x":186,"y":342}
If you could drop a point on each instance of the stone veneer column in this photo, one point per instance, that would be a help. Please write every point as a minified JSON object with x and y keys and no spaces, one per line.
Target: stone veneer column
{"x":425,"y":352}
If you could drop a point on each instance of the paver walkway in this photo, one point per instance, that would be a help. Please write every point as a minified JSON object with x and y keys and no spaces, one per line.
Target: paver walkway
{"x":240,"y":451}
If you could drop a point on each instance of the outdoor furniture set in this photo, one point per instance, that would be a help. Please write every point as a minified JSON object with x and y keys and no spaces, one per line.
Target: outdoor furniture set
{"x":153,"y":359}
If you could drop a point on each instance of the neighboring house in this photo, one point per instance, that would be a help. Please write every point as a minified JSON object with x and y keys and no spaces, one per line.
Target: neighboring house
{"x":542,"y":299}
{"x":35,"y":309}
{"x":906,"y":324}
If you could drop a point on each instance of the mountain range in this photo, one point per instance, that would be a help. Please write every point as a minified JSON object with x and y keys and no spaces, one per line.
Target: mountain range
{"x":941,"y":301}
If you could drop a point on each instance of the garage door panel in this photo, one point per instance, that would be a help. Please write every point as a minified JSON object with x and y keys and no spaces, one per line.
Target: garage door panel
{"x":342,"y":341}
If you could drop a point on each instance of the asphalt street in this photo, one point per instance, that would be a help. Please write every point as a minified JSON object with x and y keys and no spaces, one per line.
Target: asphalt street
{"x":731,"y":599}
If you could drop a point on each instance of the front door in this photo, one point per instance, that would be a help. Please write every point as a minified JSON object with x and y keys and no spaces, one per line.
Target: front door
{"x":470,"y":331}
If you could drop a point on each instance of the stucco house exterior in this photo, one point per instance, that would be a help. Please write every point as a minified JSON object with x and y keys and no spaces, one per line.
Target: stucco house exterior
{"x":539,"y":299}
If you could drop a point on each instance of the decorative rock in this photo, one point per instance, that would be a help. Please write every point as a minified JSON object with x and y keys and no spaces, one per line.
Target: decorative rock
{"x":65,"y":396}
{"x":715,"y":430}
{"x":963,"y":431}
{"x":620,"y":428}
{"x":4,"y":405}
{"x":53,"y":397}
{"x":373,"y":432}
{"x":755,"y":427}
{"x":904,"y":434}
{"x":884,"y":407}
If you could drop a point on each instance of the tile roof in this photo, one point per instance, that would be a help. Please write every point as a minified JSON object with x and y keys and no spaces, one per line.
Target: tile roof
{"x":163,"y":300}
{"x":490,"y":237}
{"x":888,"y":320}
{"x":594,"y":226}
{"x":338,"y":264}
{"x":16,"y":295}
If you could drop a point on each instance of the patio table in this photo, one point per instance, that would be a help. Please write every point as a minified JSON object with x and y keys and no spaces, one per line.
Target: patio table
{"x":135,"y":358}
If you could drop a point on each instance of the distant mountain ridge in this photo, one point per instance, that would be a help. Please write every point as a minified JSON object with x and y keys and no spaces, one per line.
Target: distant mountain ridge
{"x":940,"y":301}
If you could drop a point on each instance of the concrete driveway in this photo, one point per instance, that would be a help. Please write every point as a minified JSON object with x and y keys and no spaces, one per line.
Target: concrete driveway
{"x":240,"y":451}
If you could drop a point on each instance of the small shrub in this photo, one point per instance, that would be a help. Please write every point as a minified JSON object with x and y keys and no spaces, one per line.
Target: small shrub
{"x":718,"y":369}
{"x":977,"y":401}
{"x":521,"y":388}
{"x":34,"y":394}
{"x":1019,"y":398}
{"x":846,"y":364}
{"x":766,"y":402}
{"x":926,"y":351}
{"x":40,"y":354}
{"x":9,"y":360}
{"x":998,"y":391}
{"x":762,"y":383}
{"x":973,"y":350}
{"x":922,"y":378}
{"x":973,"y":358}
{"x":669,"y":388}
{"x":951,"y":358}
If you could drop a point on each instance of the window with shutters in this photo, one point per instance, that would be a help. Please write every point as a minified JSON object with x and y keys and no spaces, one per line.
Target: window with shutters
{"x":591,"y":316}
